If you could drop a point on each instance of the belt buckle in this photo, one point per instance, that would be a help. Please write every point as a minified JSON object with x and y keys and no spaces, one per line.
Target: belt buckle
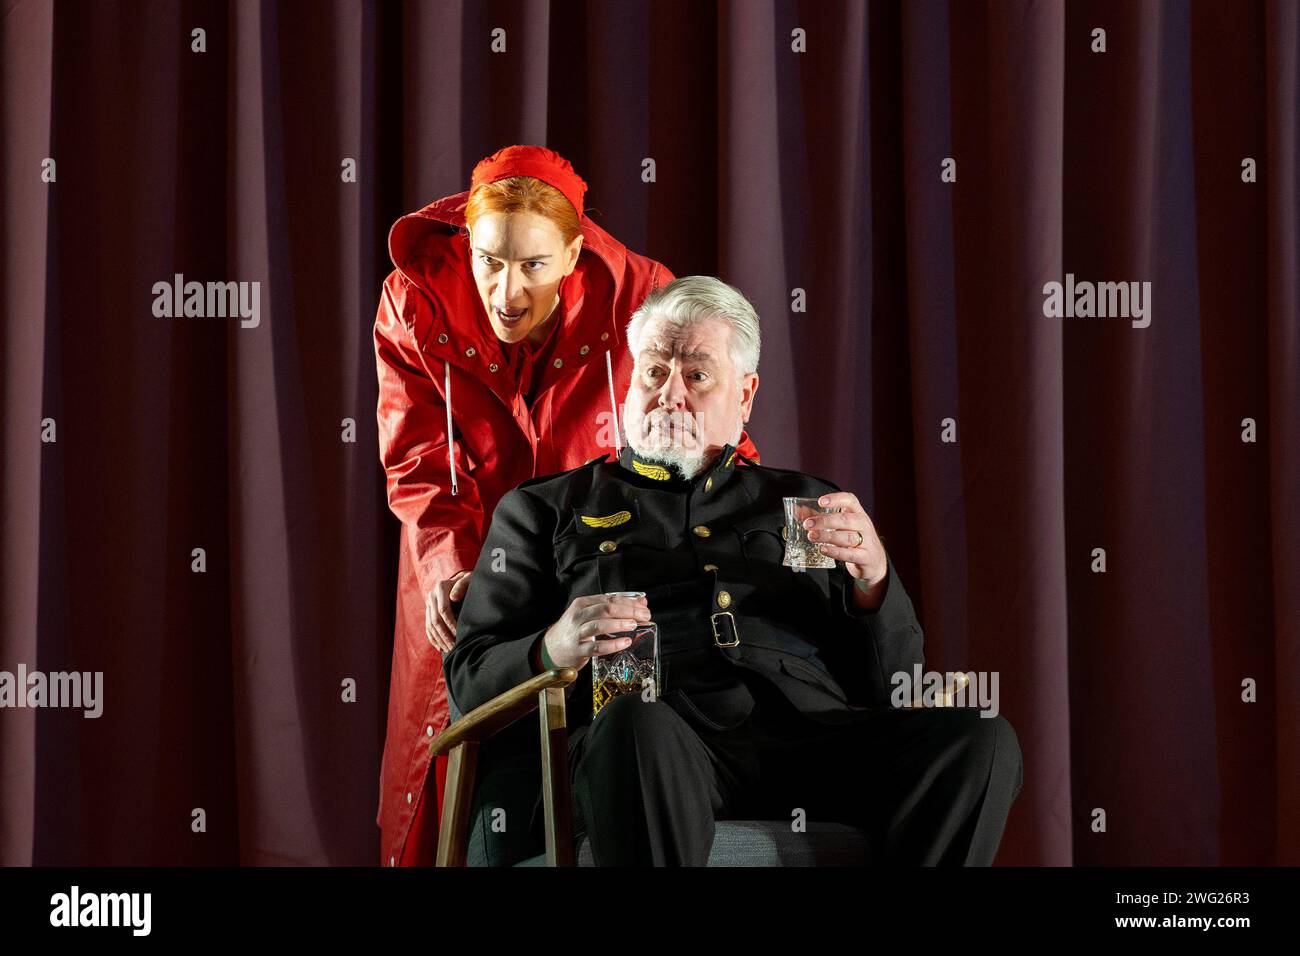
{"x":713,"y":619}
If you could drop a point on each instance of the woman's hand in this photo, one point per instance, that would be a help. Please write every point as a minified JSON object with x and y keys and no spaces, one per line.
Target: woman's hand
{"x":439,"y":621}
{"x":575,"y":637}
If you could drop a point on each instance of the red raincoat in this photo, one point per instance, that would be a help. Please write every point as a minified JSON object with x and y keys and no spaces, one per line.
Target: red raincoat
{"x":431,"y":329}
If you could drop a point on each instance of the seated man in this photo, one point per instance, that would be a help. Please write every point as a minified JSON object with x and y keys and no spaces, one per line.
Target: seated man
{"x":776,"y":682}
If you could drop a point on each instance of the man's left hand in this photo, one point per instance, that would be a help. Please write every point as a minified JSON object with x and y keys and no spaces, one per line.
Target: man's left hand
{"x":849,"y":536}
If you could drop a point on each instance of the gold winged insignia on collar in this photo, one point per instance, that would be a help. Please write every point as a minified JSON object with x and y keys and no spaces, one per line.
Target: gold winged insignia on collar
{"x":657,"y":472}
{"x":607,"y":521}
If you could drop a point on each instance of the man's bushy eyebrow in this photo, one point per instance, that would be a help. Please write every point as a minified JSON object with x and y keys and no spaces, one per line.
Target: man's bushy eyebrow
{"x":686,"y":357}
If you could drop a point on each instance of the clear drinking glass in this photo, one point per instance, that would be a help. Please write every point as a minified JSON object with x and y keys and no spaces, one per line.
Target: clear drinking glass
{"x":631,"y":670}
{"x":800,"y":552}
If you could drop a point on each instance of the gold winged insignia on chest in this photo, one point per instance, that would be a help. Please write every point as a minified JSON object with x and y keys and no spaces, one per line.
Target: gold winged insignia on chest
{"x":607,"y":521}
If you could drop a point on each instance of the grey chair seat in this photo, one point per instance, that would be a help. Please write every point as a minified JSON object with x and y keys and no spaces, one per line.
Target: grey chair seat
{"x":766,"y":843}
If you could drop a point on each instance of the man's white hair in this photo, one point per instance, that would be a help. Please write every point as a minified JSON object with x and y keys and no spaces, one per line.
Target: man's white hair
{"x":691,"y":299}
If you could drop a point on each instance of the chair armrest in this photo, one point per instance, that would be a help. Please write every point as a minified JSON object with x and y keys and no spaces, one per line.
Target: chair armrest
{"x":543,"y":693}
{"x":501,"y":711}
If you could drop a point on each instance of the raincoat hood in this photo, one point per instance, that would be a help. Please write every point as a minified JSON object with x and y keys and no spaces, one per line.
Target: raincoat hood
{"x":428,"y":248}
{"x":423,"y":243}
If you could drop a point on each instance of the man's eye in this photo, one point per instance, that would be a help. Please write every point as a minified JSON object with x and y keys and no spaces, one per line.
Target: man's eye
{"x":699,"y":376}
{"x":654,"y":371}
{"x":534,"y":262}
{"x":486,"y":260}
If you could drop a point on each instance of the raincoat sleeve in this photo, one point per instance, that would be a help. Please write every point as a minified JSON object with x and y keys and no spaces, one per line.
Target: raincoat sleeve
{"x":507,"y":615}
{"x":443,"y":531}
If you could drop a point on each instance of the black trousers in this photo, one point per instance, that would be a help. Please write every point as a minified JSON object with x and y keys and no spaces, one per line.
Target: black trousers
{"x":933,"y":786}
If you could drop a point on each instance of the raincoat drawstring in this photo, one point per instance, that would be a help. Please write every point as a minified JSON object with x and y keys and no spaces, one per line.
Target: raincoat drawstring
{"x":451,"y":440}
{"x":613,"y":403}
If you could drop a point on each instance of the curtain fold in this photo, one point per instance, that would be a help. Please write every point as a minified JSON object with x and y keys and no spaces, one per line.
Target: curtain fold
{"x":1282,"y":406}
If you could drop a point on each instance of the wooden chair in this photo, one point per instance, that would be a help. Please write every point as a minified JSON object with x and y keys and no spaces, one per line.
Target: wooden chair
{"x":744,"y":842}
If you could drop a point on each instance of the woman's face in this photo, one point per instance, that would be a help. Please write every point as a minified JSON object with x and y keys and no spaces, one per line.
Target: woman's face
{"x":519,"y":260}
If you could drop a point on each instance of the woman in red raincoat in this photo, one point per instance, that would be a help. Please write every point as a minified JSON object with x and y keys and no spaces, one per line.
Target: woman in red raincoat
{"x":500,"y":352}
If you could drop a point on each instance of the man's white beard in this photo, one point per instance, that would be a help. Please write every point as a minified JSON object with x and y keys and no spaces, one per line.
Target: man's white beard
{"x":676,"y":442}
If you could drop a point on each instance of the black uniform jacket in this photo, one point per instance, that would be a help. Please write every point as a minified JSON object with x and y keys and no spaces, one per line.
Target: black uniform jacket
{"x":708,"y":553}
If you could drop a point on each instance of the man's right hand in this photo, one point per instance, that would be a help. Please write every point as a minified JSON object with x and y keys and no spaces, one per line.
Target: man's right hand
{"x":579,"y":634}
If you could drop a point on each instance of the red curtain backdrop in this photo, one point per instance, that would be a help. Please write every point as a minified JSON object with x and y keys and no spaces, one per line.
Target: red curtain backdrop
{"x":774,"y":169}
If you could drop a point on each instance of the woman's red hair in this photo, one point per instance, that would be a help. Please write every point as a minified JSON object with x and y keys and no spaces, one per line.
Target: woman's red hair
{"x":524,"y":194}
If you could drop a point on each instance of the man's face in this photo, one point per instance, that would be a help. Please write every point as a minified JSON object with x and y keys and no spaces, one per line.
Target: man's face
{"x":687,"y":399}
{"x":519,"y":260}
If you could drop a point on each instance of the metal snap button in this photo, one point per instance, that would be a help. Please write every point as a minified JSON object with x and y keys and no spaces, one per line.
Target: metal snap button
{"x":442,"y":336}
{"x":724,"y":599}
{"x":584,"y":350}
{"x":702,"y":530}
{"x":558,"y":362}
{"x":608,"y":546}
